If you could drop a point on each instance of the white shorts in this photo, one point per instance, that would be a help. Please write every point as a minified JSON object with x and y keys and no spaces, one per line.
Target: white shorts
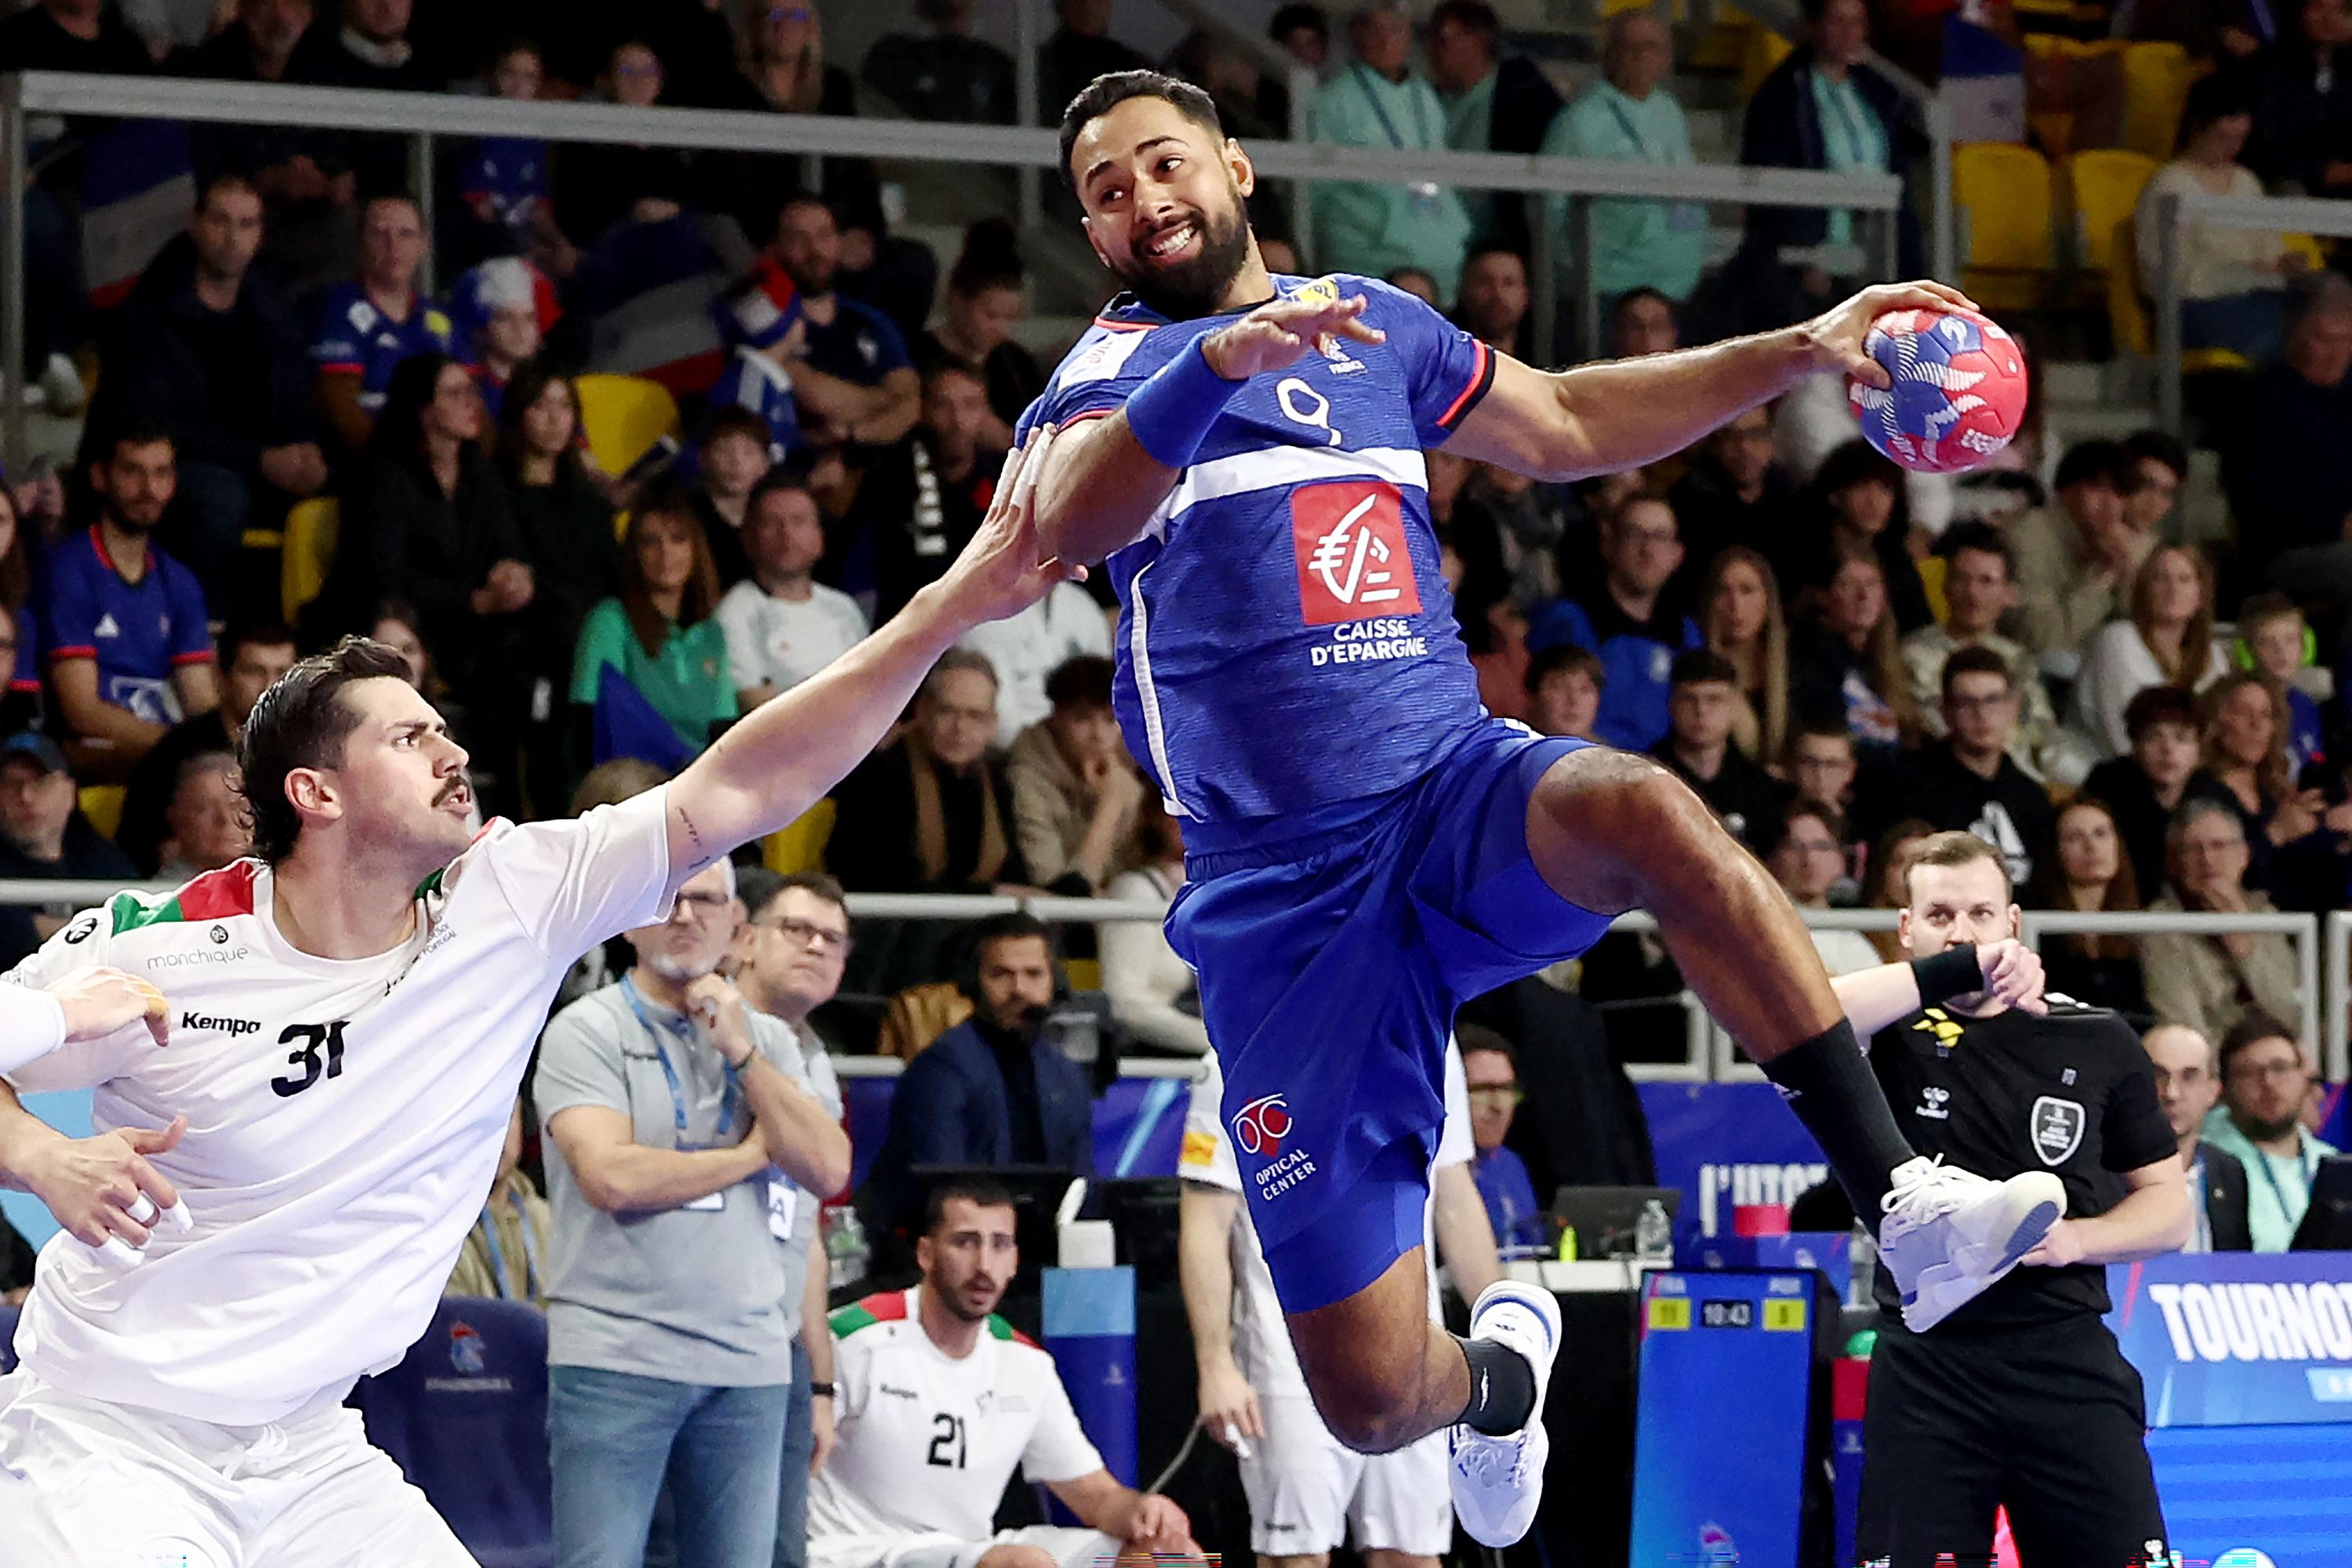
{"x":1310,"y":1493}
{"x":1069,"y":1548}
{"x":84,"y":1484}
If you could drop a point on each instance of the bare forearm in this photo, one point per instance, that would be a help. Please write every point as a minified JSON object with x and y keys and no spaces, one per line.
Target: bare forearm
{"x":1100,"y":491}
{"x":634,"y":1177}
{"x":831,"y":397}
{"x":1465,"y":1238}
{"x":92,"y":718}
{"x":1627,"y":413}
{"x":817,"y":1294}
{"x":22,"y":1137}
{"x":2150,"y":1221}
{"x":1874,"y":998}
{"x":781,"y":757}
{"x":1205,"y":1272}
{"x":806,"y":1142}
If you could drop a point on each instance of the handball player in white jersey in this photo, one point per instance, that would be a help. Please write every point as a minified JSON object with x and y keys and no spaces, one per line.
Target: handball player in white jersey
{"x":1308,"y":1493}
{"x":349,"y":1015}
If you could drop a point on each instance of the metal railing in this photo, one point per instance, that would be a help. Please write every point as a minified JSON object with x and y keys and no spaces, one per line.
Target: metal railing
{"x":2323,"y":953}
{"x":2174,"y":213}
{"x":425,"y":118}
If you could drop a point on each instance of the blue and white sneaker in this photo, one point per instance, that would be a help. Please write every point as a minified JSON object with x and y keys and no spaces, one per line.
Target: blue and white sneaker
{"x":1498,"y":1482}
{"x":1949,"y":1234}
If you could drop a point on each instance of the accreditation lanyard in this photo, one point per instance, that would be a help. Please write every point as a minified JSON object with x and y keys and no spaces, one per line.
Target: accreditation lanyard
{"x":489,"y":1230}
{"x":1425,"y":192}
{"x":682,"y":1028}
{"x":1865,"y":143}
{"x":2305,"y":1165}
{"x":1679,"y":214}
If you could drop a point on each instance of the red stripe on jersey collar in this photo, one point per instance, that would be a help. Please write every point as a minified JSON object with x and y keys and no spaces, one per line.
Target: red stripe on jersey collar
{"x":98,"y":548}
{"x":217,"y":895}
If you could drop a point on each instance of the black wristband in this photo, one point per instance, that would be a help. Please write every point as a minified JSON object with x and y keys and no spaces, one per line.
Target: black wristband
{"x":820,"y":1390}
{"x":1954,"y":972}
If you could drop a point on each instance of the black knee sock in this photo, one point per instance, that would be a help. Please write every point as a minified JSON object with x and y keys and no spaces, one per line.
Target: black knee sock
{"x":1502,"y":1387}
{"x":1827,"y":1081}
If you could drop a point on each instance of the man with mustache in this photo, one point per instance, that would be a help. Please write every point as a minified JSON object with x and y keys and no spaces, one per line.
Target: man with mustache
{"x":352,"y":1012}
{"x":1367,"y":847}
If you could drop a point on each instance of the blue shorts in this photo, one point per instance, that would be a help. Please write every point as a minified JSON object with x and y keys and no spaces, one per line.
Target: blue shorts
{"x":1331,"y":965}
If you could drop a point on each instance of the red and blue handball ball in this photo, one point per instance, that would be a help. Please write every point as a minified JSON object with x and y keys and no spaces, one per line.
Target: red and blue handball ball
{"x":1958,"y":395}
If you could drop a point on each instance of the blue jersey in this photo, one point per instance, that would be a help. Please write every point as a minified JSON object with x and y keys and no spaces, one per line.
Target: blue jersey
{"x":356,"y":338}
{"x":1286,"y":640}
{"x":138,"y":633}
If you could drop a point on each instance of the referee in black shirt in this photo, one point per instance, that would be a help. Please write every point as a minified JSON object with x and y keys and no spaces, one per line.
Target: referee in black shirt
{"x":2020,"y":1398}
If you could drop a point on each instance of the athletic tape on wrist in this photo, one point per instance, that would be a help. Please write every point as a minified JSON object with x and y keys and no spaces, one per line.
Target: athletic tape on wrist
{"x":1171,"y":413}
{"x":1954,"y":972}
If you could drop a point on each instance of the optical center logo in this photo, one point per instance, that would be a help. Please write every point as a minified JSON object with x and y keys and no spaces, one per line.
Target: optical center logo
{"x":1259,"y":1129}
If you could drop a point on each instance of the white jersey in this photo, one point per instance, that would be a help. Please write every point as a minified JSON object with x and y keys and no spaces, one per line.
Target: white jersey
{"x":1261,"y":1342}
{"x":923,"y":1442}
{"x":781,"y":642}
{"x":345,"y":1116}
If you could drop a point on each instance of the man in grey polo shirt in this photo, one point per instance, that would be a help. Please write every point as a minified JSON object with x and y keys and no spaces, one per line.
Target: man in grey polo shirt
{"x":680,"y":1142}
{"x":788,"y":959}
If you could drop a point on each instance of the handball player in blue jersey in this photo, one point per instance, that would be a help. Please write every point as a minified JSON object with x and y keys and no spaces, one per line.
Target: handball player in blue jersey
{"x":1367,"y":848}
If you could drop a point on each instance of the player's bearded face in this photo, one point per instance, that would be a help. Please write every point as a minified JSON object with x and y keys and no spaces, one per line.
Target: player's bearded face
{"x":1191,"y":281}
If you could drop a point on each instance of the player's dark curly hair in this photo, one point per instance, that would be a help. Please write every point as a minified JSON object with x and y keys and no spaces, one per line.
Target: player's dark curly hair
{"x":301,"y":721}
{"x":1111,"y":89}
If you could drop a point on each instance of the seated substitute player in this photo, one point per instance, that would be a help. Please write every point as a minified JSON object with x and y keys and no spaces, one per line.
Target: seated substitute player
{"x":352,"y":1012}
{"x":1308,"y":1493}
{"x":2024,"y":1401}
{"x":1368,"y":847}
{"x":936,"y":1398}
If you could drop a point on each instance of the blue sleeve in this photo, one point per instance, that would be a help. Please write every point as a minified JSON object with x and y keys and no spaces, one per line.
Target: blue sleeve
{"x":69,"y":614}
{"x":1097,"y":378}
{"x":336,"y":344}
{"x":192,"y":638}
{"x":1562,"y":623}
{"x":930,"y":1112}
{"x":1447,"y":371}
{"x":890,"y":346}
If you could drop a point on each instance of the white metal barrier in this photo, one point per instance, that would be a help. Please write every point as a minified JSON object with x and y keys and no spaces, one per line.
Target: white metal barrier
{"x":2323,"y":953}
{"x":424,"y":116}
{"x":2282,"y":215}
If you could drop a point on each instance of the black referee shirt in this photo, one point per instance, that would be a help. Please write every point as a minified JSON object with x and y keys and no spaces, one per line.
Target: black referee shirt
{"x":2070,"y":1093}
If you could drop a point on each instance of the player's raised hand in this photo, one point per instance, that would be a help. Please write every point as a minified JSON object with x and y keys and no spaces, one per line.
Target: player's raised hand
{"x":1275,"y":333}
{"x":1835,"y":336}
{"x":1005,"y":568}
{"x":103,"y":1191}
{"x":97,"y":1002}
{"x":2012,"y":974}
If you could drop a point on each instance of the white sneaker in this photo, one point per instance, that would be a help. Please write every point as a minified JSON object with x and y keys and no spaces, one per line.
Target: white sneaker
{"x":1949,"y":1234}
{"x":1498,"y":1482}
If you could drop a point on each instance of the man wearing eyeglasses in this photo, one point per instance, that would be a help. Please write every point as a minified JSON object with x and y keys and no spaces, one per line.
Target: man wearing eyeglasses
{"x":787,"y":960}
{"x":683,"y":1143}
{"x":2265,"y":1077}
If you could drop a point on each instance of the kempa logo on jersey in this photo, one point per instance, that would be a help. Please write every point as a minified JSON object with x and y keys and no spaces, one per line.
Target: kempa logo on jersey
{"x":2264,"y":1320}
{"x":222,"y":1024}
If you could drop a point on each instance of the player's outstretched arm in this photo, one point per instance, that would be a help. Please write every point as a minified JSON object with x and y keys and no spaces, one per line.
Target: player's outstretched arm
{"x":2154,"y":1219}
{"x":92,"y":1186}
{"x":1143,"y":1520}
{"x":1601,"y":418}
{"x":782,"y":757}
{"x":2009,"y":974}
{"x":1107,"y":476}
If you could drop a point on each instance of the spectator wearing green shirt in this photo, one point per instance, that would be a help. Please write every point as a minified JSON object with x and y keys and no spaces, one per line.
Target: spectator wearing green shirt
{"x":1494,"y":103}
{"x":2266,"y":1076}
{"x":1629,"y":117}
{"x":660,"y":633}
{"x":1379,"y":101}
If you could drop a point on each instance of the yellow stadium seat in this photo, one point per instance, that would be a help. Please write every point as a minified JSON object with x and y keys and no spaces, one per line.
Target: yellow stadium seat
{"x":622,"y":416}
{"x":2156,"y":86}
{"x":312,"y":531}
{"x":1766,"y":50}
{"x":2003,"y":190}
{"x":799,"y":845}
{"x":2128,"y":318}
{"x":1083,"y":973}
{"x":2102,"y":188}
{"x":102,"y":805}
{"x":263,"y":538}
{"x":2310,"y":248}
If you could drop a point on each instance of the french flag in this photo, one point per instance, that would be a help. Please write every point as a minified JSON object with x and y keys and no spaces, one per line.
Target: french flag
{"x":137,"y":184}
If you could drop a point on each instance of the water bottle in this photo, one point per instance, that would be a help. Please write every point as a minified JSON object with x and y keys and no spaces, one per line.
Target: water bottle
{"x":1862,"y":1266}
{"x":1654,"y":1236}
{"x":844,"y":1245}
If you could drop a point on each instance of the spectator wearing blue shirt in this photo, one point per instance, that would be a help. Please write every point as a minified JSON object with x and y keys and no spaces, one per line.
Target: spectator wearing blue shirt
{"x":2274,"y":638}
{"x":503,"y":179}
{"x":131,"y":652}
{"x":369,"y":324}
{"x":852,"y":377}
{"x":1624,"y":622}
{"x":1492,"y":1071}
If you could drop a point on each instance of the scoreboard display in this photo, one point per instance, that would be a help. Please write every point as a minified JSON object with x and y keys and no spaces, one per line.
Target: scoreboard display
{"x":1725,"y":1430}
